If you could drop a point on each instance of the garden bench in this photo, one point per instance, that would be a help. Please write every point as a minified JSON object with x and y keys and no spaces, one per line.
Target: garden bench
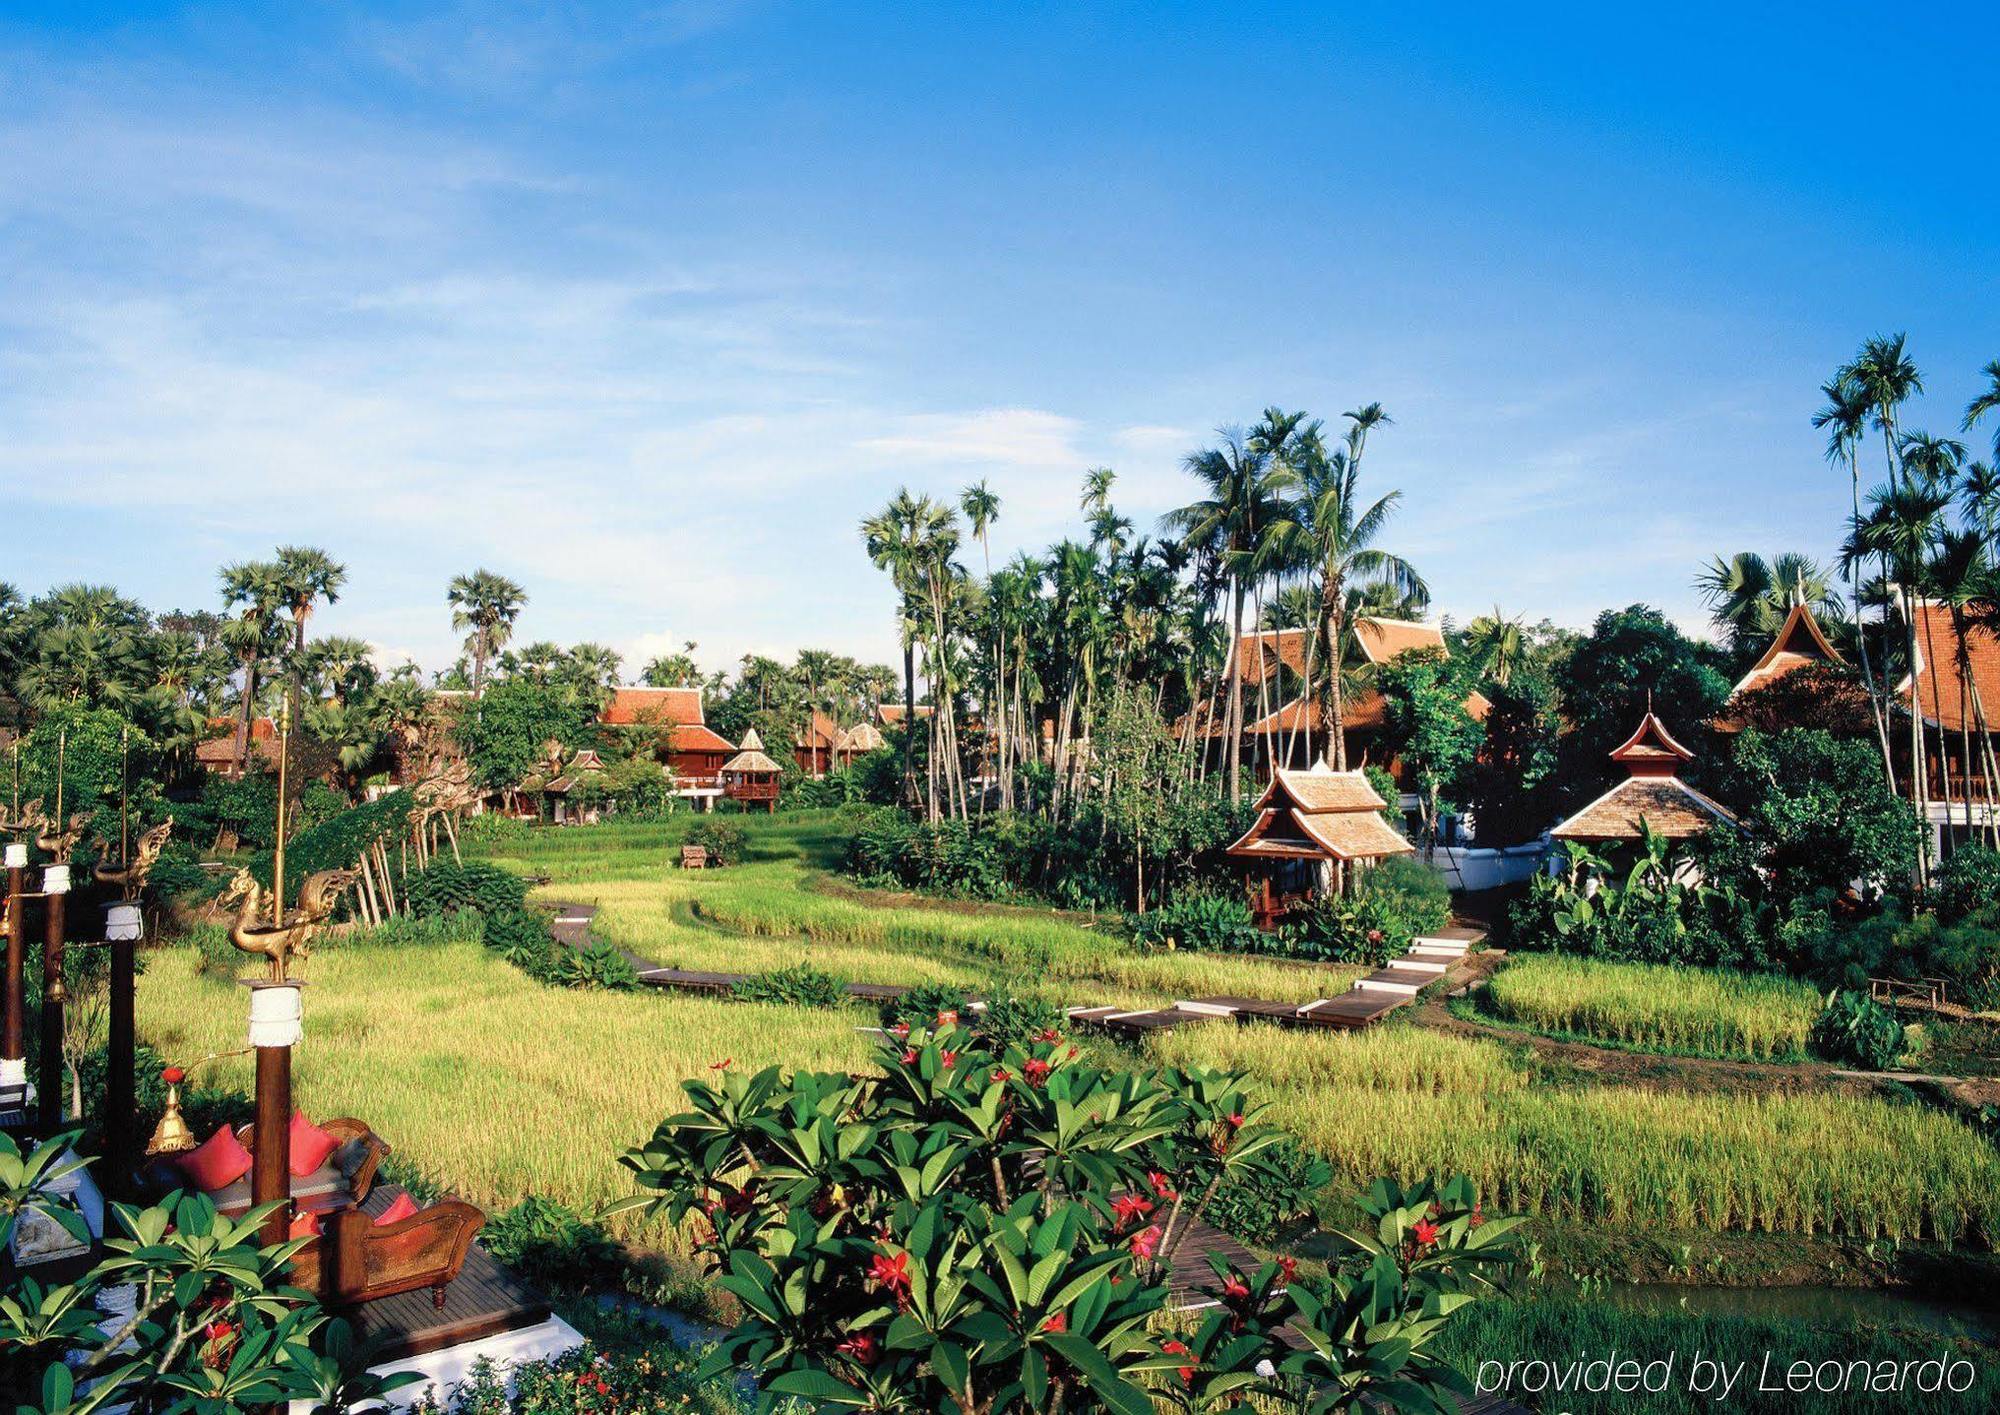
{"x":1923,"y":992}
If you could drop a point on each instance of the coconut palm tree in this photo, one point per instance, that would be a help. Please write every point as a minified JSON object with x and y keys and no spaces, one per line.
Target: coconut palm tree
{"x":1985,"y":402}
{"x":1979,"y":498}
{"x":1935,"y":460}
{"x":1885,"y":378}
{"x":1226,"y":527}
{"x":484,"y":606}
{"x":1749,"y":597}
{"x":1339,"y":534}
{"x":982,"y":508}
{"x":1496,"y":644}
{"x":593,"y":670}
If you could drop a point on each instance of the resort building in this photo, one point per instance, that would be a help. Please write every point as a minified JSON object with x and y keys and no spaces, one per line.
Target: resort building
{"x":814,"y":745}
{"x":217,"y":752}
{"x":750,"y":777}
{"x":692,"y":750}
{"x":1956,"y":690}
{"x":857,"y":742}
{"x":1311,"y":827}
{"x":1285,"y":727}
{"x":1651,"y":797}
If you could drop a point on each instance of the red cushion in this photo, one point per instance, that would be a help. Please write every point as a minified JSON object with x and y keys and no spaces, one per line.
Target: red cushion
{"x":310,"y":1145}
{"x":400,"y":1208}
{"x":220,"y":1161}
{"x":305,"y":1226}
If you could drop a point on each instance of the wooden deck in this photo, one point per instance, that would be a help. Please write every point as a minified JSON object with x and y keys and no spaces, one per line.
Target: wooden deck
{"x":484,"y":1300}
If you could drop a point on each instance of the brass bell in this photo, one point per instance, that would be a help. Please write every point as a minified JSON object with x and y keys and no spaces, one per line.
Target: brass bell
{"x":171,"y":1136}
{"x":58,"y":994}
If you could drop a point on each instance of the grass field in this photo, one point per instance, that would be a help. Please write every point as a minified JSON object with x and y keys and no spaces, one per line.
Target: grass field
{"x":1405,"y":1101}
{"x":486,"y":1081}
{"x":1686,"y":1011}
{"x":497,"y":1086}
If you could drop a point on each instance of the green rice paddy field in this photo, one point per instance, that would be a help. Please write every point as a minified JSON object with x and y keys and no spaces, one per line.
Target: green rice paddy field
{"x":498,"y":1087}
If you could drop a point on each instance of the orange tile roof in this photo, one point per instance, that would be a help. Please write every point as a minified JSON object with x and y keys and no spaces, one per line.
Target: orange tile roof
{"x":1939,"y":695}
{"x":697,"y":737}
{"x":679,"y":706}
{"x":892,"y":713}
{"x":1384,"y":639}
{"x":220,"y":749}
{"x":1798,"y":642}
{"x":820,"y":733}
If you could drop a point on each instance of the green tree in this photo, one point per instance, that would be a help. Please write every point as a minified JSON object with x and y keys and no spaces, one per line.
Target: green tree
{"x":1633,"y":659}
{"x":1513,"y":785}
{"x":1748,"y":597}
{"x":503,"y":741}
{"x":1428,"y":728}
{"x":256,"y":590}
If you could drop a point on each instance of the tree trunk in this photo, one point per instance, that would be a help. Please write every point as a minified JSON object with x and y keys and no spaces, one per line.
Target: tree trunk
{"x":1334,"y":608}
{"x":1235,"y":724}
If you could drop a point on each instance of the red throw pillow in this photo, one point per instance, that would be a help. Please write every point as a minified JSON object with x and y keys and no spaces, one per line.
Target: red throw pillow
{"x":310,"y":1145}
{"x":305,"y":1226}
{"x":400,"y":1208}
{"x":219,"y":1162}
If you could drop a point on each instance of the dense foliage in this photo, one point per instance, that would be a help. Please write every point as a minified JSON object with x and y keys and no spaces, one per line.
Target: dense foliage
{"x":982,"y":1230}
{"x":1856,"y":1030}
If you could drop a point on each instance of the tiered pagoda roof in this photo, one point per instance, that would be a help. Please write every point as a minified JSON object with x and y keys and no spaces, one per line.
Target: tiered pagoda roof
{"x":1319,"y":814}
{"x":1652,"y":795}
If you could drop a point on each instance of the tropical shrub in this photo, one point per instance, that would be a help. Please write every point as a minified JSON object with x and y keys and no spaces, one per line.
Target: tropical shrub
{"x":1266,"y":1207}
{"x":1006,"y":1019}
{"x":551,"y":1245}
{"x":1968,"y":884}
{"x":445,"y":885}
{"x":978,"y":1230}
{"x":220,"y":1333}
{"x":720,"y":836}
{"x":1858,"y":1031}
{"x":925,"y":1003}
{"x":799,"y":986}
{"x":1012,"y":1020}
{"x":641,"y":1373}
{"x":591,"y":965}
{"x":1205,"y":922}
{"x":519,"y":935}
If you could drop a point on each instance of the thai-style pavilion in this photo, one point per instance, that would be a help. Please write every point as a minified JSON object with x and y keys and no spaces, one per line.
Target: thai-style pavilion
{"x":1799,"y":643}
{"x":1311,"y":826}
{"x":813,"y":746}
{"x":1651,"y":797}
{"x":692,"y":750}
{"x":857,"y":741}
{"x":751,"y":777}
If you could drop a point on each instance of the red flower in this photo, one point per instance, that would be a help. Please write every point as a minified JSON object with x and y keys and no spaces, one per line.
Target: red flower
{"x":1236,"y":1121}
{"x":1127,"y":1207}
{"x":861,"y":1346}
{"x":1048,"y":1034}
{"x":1145,"y":1242}
{"x":1163,"y":1187}
{"x":1070,"y":1051}
{"x":1179,"y":1348}
{"x":947,"y":1018}
{"x":1288,"y":1268}
{"x":1057,"y":1322}
{"x":738,"y":1203}
{"x":602,"y":1388}
{"x":1036,"y":1070}
{"x":173,"y":1075}
{"x":1234,"y":1286}
{"x":722,"y":1065}
{"x":910,"y":1057}
{"x":1425,"y":1231}
{"x":1374,"y":935}
{"x":892,"y":1272}
{"x":1001,"y":1075}
{"x":1477,"y":1217}
{"x":901,"y":1029}
{"x":948,"y":1058}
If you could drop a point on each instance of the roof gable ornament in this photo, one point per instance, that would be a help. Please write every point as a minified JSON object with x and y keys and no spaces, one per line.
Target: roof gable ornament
{"x":1651,"y":750}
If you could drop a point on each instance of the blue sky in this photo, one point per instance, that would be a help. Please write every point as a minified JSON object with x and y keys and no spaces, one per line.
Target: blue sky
{"x":646,"y":307}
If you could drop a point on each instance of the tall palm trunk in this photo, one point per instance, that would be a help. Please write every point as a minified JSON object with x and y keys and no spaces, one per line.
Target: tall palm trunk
{"x":1236,"y":694}
{"x":1333,"y":608}
{"x":1878,"y":697}
{"x":243,"y":713}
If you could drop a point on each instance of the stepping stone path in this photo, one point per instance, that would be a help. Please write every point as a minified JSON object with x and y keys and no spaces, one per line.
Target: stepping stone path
{"x":1433,"y":958}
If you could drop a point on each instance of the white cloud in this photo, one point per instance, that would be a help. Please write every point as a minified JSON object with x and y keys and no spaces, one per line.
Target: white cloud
{"x":996,"y":437}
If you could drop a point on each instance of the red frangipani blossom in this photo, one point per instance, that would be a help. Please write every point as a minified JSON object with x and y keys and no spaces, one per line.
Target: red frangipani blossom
{"x":1235,"y":1287}
{"x":1036,"y":1070}
{"x":1145,"y":1242}
{"x":722,"y":1065}
{"x":1001,"y":1075}
{"x":1057,"y":1322}
{"x":1425,"y":1232}
{"x":910,"y":1057}
{"x":1163,"y":1187}
{"x":1127,"y":1207}
{"x":1179,"y":1348}
{"x":861,"y":1346}
{"x":948,"y":1058}
{"x":1288,"y":1268}
{"x":892,"y":1271}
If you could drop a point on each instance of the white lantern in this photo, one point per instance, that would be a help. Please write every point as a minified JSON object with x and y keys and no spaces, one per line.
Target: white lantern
{"x":55,"y":879}
{"x":123,"y":921}
{"x":15,"y":857}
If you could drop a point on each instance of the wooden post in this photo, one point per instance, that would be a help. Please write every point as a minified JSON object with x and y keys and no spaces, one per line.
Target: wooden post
{"x":121,"y":1102}
{"x":13,"y":1019}
{"x":55,"y":890}
{"x":275,"y":1015}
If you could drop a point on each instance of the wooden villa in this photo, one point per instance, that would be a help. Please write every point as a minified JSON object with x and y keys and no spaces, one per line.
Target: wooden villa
{"x":750,"y":777}
{"x":1311,"y":827}
{"x":813,"y":745}
{"x":857,"y":742}
{"x":1283,"y":727}
{"x":1651,"y":797}
{"x":686,"y":745}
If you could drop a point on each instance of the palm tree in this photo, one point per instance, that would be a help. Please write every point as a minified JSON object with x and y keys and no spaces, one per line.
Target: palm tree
{"x":1339,"y":534}
{"x":1496,"y":645}
{"x":982,"y":509}
{"x":1225,"y":527}
{"x":673,"y":670}
{"x":1985,"y":402}
{"x":1935,"y":459}
{"x":1885,"y":378}
{"x":1845,"y":420}
{"x":485,"y":604}
{"x":1979,"y":498}
{"x":1749,"y":597}
{"x":593,"y":670}
{"x":256,"y":589}
{"x":893,"y":542}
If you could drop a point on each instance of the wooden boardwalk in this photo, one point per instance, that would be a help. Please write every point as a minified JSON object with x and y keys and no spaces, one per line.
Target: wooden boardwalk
{"x":1443,"y":957}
